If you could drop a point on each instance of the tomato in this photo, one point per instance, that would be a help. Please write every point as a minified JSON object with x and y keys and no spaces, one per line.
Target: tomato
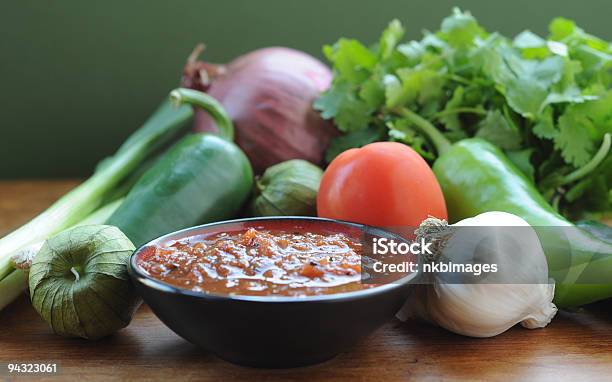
{"x":385,"y":184}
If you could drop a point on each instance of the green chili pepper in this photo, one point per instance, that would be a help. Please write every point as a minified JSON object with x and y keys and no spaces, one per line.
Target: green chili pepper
{"x":477,"y":177}
{"x":203,"y":178}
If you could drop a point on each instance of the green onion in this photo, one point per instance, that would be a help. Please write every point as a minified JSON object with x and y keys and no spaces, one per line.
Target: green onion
{"x":163,"y":126}
{"x":11,"y":287}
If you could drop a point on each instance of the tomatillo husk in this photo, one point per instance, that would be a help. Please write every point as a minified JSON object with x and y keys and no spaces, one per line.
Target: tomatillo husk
{"x":79,"y":282}
{"x":288,"y":188}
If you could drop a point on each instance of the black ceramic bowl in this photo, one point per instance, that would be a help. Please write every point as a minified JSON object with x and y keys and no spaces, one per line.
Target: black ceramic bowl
{"x":271,"y":331}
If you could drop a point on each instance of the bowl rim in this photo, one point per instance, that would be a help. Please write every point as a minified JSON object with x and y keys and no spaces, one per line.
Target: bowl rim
{"x":136,"y":273}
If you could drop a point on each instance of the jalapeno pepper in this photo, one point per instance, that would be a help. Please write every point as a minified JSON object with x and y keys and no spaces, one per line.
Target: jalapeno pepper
{"x":476,"y":177}
{"x":204,"y":177}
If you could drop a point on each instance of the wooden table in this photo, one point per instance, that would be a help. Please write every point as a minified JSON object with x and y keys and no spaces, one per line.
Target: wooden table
{"x":576,"y":346}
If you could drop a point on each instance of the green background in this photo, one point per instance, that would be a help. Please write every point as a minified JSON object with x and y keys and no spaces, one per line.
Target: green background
{"x":78,"y":76}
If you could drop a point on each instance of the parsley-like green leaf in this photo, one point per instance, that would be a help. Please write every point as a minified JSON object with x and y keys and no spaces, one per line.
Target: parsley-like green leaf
{"x":390,"y":38}
{"x":531,"y":45}
{"x":451,"y":120}
{"x":500,"y":131}
{"x":401,"y":130}
{"x":545,"y":126}
{"x":348,"y":111}
{"x":351,"y":59}
{"x":413,"y":85}
{"x":372,"y":92}
{"x":461,"y":29}
{"x":560,"y":28}
{"x":352,"y":140}
{"x":573,"y":139}
{"x":545,"y":100}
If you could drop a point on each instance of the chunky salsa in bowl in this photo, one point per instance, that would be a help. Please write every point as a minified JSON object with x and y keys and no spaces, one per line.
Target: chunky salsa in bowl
{"x":260,"y":261}
{"x":266,"y":292}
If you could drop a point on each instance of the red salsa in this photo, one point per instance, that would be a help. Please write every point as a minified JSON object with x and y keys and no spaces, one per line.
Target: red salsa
{"x":259,"y":263}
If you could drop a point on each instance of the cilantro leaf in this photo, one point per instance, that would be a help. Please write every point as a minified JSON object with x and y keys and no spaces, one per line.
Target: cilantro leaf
{"x":545,"y":126}
{"x":451,"y":120}
{"x":348,"y":111}
{"x":573,"y":139}
{"x":531,"y":45}
{"x":390,"y":38}
{"x":598,"y":112}
{"x":329,"y":102}
{"x":546,"y":101}
{"x":413,"y":85}
{"x":461,"y":29}
{"x":567,"y":31}
{"x":525,"y":83}
{"x":351,"y":59}
{"x":499,"y":130}
{"x":401,"y":130}
{"x":525,"y":96}
{"x":560,"y":28}
{"x":372,"y":92}
{"x":351,"y":140}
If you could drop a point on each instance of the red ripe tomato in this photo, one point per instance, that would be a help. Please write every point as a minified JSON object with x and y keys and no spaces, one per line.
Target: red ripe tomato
{"x":385,"y":184}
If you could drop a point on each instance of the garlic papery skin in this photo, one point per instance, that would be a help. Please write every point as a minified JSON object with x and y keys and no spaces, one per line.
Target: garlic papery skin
{"x":486,"y":309}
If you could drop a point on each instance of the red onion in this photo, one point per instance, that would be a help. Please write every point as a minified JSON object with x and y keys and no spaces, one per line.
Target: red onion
{"x":268,"y":93}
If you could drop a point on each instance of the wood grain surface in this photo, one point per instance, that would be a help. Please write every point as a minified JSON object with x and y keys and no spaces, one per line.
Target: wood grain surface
{"x":576,"y":346}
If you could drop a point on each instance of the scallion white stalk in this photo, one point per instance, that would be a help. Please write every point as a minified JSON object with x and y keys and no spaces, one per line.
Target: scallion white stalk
{"x":12,"y":287}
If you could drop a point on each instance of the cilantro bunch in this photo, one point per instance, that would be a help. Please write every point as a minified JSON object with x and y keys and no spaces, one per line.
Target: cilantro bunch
{"x":546,"y":102}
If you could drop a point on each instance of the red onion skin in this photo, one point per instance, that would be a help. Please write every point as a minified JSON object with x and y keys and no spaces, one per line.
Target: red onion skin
{"x":268,"y":94}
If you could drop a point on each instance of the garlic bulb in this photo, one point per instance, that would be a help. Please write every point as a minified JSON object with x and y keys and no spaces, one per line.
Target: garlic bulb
{"x":520,"y":292}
